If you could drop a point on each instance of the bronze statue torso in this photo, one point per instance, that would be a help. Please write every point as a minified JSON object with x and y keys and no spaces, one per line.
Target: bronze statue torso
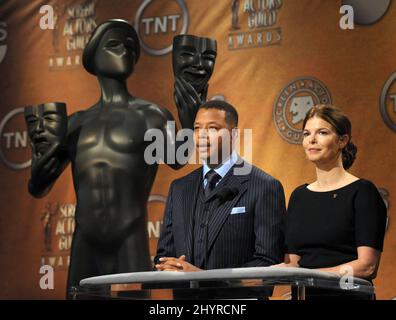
{"x":106,"y":149}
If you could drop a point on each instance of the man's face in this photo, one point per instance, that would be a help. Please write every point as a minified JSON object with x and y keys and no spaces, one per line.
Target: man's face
{"x":194,"y":59}
{"x":47,"y":125}
{"x":115,"y":55}
{"x":212,"y":136}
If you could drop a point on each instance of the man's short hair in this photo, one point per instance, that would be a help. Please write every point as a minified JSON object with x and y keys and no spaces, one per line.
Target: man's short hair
{"x":231,"y":113}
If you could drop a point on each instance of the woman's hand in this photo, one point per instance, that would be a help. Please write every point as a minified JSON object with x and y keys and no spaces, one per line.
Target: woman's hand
{"x":290,"y":261}
{"x":286,"y":265}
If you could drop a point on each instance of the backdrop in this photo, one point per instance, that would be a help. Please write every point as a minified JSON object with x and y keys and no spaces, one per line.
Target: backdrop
{"x":276,"y":58}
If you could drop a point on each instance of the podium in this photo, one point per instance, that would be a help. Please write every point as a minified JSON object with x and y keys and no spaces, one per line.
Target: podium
{"x":234,"y":283}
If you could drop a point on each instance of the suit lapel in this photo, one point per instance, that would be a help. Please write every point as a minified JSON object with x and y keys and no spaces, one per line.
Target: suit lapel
{"x":220,"y":214}
{"x":190,"y":194}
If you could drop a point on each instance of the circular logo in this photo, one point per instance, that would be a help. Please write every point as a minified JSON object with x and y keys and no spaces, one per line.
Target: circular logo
{"x":367,"y":11}
{"x":14,"y":142}
{"x":385,"y":195}
{"x":3,"y":36}
{"x":294,"y":102}
{"x":388,"y":102}
{"x":157,"y":22}
{"x":155,"y":206}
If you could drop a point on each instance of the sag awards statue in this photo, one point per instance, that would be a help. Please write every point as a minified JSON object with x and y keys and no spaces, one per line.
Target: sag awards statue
{"x":234,"y":11}
{"x":105,"y":145}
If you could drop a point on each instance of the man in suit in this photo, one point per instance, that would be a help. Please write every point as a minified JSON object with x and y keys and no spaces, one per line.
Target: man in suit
{"x":218,"y":216}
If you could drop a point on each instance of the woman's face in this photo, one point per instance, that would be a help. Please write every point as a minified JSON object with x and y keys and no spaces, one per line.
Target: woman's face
{"x":115,"y":55}
{"x":321,"y":143}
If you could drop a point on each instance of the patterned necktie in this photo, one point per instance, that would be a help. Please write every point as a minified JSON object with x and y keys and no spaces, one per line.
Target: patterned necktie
{"x":213,"y":177}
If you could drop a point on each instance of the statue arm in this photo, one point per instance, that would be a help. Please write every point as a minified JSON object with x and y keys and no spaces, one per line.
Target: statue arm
{"x":178,"y":144}
{"x":48,"y":167}
{"x":45,"y":170}
{"x":187,"y":100}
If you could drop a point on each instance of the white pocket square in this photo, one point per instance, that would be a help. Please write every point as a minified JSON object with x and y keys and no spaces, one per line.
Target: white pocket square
{"x":238,"y":210}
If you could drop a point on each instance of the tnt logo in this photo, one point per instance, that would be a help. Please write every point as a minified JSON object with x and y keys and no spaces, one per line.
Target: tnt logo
{"x":388,"y":102}
{"x":14,"y":151}
{"x":155,"y":206}
{"x":362,"y":12}
{"x":391,"y":103}
{"x":156,"y":25}
{"x":158,"y":21}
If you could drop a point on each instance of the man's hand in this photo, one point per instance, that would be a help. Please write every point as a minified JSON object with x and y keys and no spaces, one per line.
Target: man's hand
{"x":176,"y":264}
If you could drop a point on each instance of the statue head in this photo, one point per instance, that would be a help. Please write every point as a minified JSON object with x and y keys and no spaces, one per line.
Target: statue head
{"x":46,"y":125}
{"x":194,"y":59}
{"x":113,"y":50}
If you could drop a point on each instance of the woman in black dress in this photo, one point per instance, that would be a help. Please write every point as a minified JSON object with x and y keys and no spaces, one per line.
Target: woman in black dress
{"x":337,"y":223}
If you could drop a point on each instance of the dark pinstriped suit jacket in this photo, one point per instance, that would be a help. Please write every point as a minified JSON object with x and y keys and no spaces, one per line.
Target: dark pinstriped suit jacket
{"x":253,"y":238}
